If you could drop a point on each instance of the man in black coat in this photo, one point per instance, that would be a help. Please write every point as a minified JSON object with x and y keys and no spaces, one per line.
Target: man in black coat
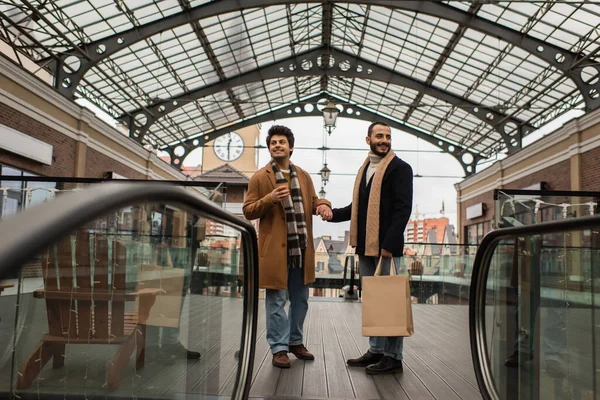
{"x":380,"y":209}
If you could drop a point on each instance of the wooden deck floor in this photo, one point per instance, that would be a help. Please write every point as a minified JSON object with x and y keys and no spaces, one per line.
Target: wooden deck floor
{"x":437,"y":358}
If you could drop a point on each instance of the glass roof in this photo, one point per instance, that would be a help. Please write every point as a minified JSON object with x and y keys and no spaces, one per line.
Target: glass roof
{"x":144,"y":57}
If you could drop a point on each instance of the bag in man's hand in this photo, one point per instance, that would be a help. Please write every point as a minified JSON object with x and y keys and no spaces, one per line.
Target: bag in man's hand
{"x":386,"y":306}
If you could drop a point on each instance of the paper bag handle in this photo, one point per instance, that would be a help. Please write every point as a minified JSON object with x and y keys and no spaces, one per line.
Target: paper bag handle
{"x":392,"y":267}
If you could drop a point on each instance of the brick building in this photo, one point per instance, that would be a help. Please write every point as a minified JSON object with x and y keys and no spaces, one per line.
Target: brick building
{"x":34,"y":116}
{"x":418,"y":231}
{"x":566,"y":160}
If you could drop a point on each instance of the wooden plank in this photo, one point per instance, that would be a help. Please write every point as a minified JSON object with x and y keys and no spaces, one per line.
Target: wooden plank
{"x":456,"y":343}
{"x":448,"y":360}
{"x":314,"y":382}
{"x":338,"y":379}
{"x":228,"y":338}
{"x":455,"y":381}
{"x":436,"y":385}
{"x":389,"y":387}
{"x":291,"y":380}
{"x":417,"y":388}
{"x":51,"y":283}
{"x":83,"y":272}
{"x":259,"y":350}
{"x":267,"y":376}
{"x":101,"y":286}
{"x":119,"y":261}
{"x":412,"y":385}
{"x":183,"y":376}
{"x":364,"y":385}
{"x":337,"y":325}
{"x":217,"y":379}
{"x":65,"y":280}
{"x":157,"y":374}
{"x":266,"y":381}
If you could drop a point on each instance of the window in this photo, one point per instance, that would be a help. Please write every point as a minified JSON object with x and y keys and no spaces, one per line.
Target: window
{"x":474,"y":233}
{"x":22,"y":194}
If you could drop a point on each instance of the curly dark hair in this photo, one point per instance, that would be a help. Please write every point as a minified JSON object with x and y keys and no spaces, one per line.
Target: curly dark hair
{"x":283,"y":131}
{"x":374,"y":124}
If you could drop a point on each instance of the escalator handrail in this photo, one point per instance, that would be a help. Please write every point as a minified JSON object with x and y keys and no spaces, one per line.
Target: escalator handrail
{"x":26,"y":234}
{"x":481,"y":267}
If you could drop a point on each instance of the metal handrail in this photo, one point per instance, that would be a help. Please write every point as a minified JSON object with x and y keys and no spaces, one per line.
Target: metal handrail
{"x":28,"y":233}
{"x":481,"y":266}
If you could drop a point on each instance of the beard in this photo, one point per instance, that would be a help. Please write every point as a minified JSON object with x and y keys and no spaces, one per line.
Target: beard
{"x":376,"y":151}
{"x":279,"y":156}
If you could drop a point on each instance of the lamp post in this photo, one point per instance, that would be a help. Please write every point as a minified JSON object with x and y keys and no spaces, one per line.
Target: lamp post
{"x":325,"y":174}
{"x":330,"y":114}
{"x":322,"y":193}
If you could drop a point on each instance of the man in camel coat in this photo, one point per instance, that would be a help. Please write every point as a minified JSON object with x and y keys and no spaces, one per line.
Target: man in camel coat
{"x":282,"y":196}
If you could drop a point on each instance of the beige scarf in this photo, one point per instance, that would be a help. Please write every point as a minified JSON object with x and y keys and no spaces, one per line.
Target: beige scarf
{"x":372,"y":235}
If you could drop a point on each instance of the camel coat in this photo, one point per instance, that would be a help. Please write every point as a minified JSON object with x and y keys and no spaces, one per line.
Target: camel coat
{"x":272,"y":231}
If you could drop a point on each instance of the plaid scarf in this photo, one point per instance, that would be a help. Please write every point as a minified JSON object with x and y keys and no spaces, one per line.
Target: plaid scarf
{"x":294,"y":216}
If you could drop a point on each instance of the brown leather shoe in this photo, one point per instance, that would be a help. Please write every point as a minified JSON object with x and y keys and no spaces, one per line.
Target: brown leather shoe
{"x":281,"y":359}
{"x":301,"y":353}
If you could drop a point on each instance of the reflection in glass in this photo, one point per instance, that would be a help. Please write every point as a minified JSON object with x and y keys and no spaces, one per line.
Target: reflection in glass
{"x":539,"y":315}
{"x":144,"y":301}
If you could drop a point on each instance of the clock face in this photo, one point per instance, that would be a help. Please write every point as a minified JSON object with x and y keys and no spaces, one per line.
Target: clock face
{"x":229,"y":147}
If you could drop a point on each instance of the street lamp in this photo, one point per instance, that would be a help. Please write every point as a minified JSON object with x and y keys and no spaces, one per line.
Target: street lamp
{"x":325,"y":174}
{"x":322,"y":193}
{"x":330,"y":114}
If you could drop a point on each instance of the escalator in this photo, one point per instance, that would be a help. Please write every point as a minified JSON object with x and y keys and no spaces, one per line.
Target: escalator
{"x":115,"y":291}
{"x":533,"y":317}
{"x":127,"y":291}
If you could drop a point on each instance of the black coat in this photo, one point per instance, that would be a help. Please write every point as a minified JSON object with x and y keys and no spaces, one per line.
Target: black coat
{"x":394,"y":209}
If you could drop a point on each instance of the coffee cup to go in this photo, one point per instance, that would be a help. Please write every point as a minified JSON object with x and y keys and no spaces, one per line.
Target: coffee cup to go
{"x":281,"y":182}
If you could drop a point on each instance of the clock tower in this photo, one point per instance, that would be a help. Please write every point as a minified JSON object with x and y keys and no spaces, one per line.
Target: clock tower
{"x":237,"y":148}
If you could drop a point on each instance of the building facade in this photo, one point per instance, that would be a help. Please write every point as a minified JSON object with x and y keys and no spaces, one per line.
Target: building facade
{"x":565,"y":160}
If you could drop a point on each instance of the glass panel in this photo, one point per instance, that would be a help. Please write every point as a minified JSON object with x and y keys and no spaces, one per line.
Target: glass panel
{"x":10,"y":171}
{"x":539,"y":316}
{"x":516,"y":209}
{"x":439,"y":273}
{"x":132,"y":300}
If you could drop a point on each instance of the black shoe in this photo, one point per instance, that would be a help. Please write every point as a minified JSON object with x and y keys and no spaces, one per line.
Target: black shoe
{"x":516,"y":357}
{"x":387,"y":365}
{"x":177,"y":350}
{"x":365,"y":360}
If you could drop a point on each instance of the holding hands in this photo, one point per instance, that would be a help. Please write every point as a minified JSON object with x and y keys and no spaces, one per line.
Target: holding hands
{"x":325,"y":212}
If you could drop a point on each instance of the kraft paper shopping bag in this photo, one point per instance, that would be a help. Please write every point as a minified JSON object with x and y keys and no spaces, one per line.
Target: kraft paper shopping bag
{"x":386,"y":306}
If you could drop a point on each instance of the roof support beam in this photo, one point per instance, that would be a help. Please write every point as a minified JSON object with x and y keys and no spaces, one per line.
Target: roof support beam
{"x":461,"y":154}
{"x":561,"y":59}
{"x":326,"y":31}
{"x":344,"y":64}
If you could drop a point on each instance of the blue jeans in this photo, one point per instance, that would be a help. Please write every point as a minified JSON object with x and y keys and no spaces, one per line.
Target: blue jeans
{"x":391,"y":346}
{"x":282,"y":331}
